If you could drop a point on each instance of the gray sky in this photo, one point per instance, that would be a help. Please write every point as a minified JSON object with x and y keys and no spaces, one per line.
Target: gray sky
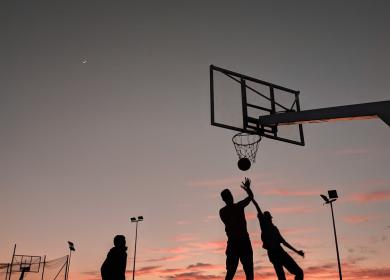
{"x":85,"y":146}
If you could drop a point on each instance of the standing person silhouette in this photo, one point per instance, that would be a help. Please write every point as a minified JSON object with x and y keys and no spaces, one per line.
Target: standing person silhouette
{"x":239,"y":246}
{"x":272,"y":239}
{"x":114,"y":266}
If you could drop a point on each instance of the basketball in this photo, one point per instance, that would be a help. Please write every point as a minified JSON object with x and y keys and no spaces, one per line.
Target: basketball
{"x":244,"y":164}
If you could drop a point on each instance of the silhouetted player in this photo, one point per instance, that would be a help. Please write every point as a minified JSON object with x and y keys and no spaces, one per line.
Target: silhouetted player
{"x":272,"y":239}
{"x":114,"y":266}
{"x":238,"y":245}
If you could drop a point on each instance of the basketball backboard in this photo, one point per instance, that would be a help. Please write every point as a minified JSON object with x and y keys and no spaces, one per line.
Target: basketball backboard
{"x":26,"y":263}
{"x":238,"y":101}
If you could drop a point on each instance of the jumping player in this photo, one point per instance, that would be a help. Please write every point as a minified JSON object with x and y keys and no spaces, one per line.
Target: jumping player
{"x":272,"y":239}
{"x":239,"y":246}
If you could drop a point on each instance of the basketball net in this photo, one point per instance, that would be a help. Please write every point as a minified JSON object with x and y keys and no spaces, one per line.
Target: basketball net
{"x":246,"y":145}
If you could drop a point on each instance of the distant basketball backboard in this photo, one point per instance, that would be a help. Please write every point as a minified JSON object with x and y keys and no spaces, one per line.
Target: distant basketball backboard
{"x":28,"y":267}
{"x":27,"y":263}
{"x":239,"y":101}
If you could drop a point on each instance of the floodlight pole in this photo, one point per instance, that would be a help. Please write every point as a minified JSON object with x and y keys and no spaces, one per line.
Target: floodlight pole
{"x":71,"y":248}
{"x":67,"y":267}
{"x":332,"y":198}
{"x":135,"y":247}
{"x":136,"y":221}
{"x":335,"y":239}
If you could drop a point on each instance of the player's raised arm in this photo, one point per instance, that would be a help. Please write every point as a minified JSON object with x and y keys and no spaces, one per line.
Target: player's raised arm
{"x":259,"y":212}
{"x":246,"y":185}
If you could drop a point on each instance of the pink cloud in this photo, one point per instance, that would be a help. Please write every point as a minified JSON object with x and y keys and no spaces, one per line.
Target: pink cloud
{"x":357,"y":219}
{"x":285,"y":192}
{"x":284,"y":210}
{"x":166,"y":259}
{"x":185,"y":252}
{"x":372,"y":183}
{"x":251,"y":215}
{"x":171,"y":250}
{"x":212,"y":246}
{"x":183,"y":222}
{"x":205,"y":266}
{"x":370,"y":273}
{"x":146,"y":270}
{"x":210,"y":218}
{"x":171,"y":270}
{"x":292,"y":210}
{"x":184,"y":238}
{"x":371,"y":196}
{"x":235,"y":181}
{"x":299,"y":230}
{"x":193,"y":276}
{"x":207,"y":271}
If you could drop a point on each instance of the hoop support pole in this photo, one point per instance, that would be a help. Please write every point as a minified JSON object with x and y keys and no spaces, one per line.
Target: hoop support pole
{"x":347,"y":112}
{"x":12,"y":263}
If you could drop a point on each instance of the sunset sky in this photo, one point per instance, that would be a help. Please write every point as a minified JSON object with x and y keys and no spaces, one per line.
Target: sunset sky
{"x":105,"y":115}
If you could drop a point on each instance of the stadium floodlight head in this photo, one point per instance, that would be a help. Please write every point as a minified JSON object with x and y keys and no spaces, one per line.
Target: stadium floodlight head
{"x":325,"y":198}
{"x":71,"y":246}
{"x":136,"y":219}
{"x":333,"y":194}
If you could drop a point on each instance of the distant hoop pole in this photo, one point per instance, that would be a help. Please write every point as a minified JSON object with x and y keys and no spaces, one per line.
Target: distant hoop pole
{"x":12,"y":263}
{"x":43,"y":268}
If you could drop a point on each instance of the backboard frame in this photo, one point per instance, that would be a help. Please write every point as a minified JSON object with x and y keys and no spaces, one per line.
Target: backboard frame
{"x":251,"y":124}
{"x":33,"y":263}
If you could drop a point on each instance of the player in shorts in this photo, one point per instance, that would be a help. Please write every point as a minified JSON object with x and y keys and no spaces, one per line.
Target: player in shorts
{"x":272,"y":240}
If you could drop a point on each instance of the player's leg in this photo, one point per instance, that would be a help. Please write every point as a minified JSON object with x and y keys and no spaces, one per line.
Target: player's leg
{"x":231,"y":266}
{"x":279,"y":271}
{"x":232,"y":258}
{"x":246,"y":257}
{"x":292,"y":266}
{"x":274,"y":258}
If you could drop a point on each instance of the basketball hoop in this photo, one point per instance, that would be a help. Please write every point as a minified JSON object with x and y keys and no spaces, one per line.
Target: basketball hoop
{"x":246,"y":145}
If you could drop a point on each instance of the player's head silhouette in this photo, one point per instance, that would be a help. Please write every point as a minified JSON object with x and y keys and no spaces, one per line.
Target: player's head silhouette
{"x":227,"y":196}
{"x":119,"y":241}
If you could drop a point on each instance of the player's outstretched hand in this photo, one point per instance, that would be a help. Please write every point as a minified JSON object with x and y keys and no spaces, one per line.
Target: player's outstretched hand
{"x":246,"y":185}
{"x":301,"y":253}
